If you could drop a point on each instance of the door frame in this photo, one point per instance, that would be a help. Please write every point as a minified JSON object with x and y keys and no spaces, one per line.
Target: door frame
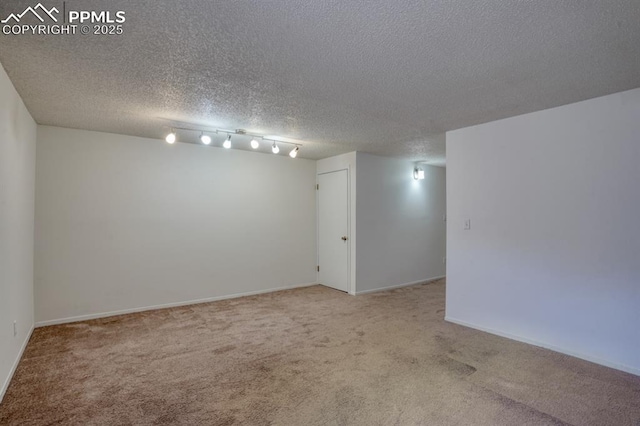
{"x":351,"y":241}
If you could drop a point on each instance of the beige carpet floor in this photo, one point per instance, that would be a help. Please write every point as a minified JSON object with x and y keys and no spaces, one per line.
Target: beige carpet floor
{"x":310,"y":356}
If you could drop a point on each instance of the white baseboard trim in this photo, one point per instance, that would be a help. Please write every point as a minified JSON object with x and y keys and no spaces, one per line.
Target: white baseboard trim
{"x":165,"y":305}
{"x":554,"y":348}
{"x":5,"y":385}
{"x":391,"y":287}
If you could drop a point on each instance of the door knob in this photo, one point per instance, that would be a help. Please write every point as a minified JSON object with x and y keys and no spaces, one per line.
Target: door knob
{"x":344,"y":238}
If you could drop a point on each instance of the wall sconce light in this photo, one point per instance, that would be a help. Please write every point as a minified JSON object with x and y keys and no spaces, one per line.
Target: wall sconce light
{"x":418,"y":173}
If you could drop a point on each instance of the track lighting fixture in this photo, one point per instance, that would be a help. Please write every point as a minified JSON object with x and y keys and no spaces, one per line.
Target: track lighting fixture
{"x":227,"y":143}
{"x":205,"y":139}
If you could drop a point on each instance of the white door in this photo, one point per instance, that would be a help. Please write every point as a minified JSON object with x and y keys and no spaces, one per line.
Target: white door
{"x":333,"y":232}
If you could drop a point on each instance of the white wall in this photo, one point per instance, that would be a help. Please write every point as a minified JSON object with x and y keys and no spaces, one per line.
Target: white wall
{"x":346,"y":162}
{"x":124,"y":223}
{"x":400,"y":223}
{"x":17,"y":180}
{"x":553,"y":253}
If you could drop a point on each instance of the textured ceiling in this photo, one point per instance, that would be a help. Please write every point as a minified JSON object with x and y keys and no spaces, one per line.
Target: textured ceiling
{"x":385,"y":77}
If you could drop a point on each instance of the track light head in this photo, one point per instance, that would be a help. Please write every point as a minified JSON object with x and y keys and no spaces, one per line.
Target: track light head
{"x":255,"y":144}
{"x":227,"y":143}
{"x":205,"y":139}
{"x":275,"y":148}
{"x":294,"y":152}
{"x":171,"y":137}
